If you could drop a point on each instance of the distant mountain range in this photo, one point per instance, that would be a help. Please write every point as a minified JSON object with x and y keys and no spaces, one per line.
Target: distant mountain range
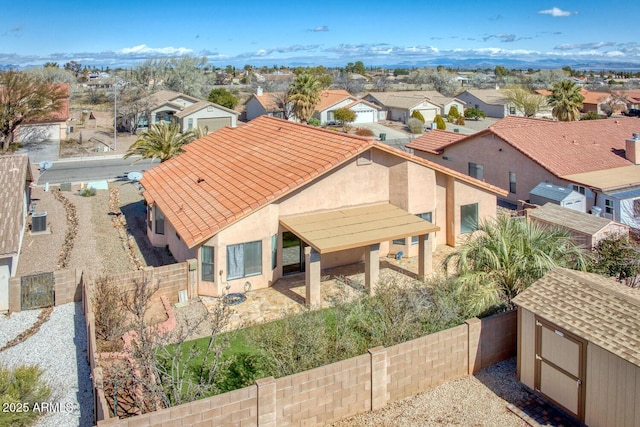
{"x":455,"y":63}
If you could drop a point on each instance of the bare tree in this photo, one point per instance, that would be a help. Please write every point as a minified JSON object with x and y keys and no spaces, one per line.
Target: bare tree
{"x":134,"y":104}
{"x":526,"y":102}
{"x":343,"y":80}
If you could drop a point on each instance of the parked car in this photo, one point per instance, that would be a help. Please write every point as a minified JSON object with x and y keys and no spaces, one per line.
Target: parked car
{"x":632,"y":112}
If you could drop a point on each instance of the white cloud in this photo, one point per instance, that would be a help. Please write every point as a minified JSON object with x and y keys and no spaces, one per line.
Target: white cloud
{"x":556,"y":12}
{"x":144,"y":49}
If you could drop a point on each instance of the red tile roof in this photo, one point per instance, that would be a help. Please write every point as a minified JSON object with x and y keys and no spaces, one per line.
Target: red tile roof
{"x":329,"y":98}
{"x":565,"y":148}
{"x":232,"y":172}
{"x":435,"y":141}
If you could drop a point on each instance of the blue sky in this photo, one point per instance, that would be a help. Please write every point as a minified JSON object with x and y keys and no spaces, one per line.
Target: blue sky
{"x":330,"y":33}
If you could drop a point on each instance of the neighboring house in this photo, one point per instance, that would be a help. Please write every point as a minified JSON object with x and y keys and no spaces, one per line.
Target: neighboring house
{"x":561,"y":196}
{"x":51,"y":128}
{"x":592,"y":102}
{"x":15,"y":197}
{"x":518,"y":153}
{"x":267,"y":104}
{"x":273,"y":197}
{"x":579,"y":346}
{"x":400,"y":105}
{"x":167,"y":106}
{"x":493,"y":102}
{"x":331,"y":100}
{"x":585,"y":229}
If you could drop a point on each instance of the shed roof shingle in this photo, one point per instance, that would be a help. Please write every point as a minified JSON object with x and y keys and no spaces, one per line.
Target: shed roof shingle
{"x":599,"y":309}
{"x":15,"y":175}
{"x":569,"y":218}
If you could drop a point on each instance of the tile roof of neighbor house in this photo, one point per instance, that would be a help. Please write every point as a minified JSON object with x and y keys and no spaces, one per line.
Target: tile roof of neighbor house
{"x":569,"y":218}
{"x":331,"y":97}
{"x":589,"y":96}
{"x":435,"y":141}
{"x":596,"y":308}
{"x":15,"y":174}
{"x":268,"y":100}
{"x":201,"y":105}
{"x":230,"y":173}
{"x":563,"y":148}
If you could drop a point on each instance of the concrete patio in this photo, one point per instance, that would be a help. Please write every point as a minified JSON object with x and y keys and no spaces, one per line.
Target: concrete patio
{"x":287,"y":295}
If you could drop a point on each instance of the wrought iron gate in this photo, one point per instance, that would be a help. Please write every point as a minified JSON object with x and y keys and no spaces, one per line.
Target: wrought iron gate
{"x":36,"y":291}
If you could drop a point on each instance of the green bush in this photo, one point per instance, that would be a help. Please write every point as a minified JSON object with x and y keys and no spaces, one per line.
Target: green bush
{"x":88,"y":192}
{"x":591,"y":115}
{"x":415,"y":125}
{"x":24,"y":387}
{"x":313,"y":121}
{"x":474,"y":113}
{"x":440,"y":124}
{"x":417,"y":115}
{"x":453,"y":114}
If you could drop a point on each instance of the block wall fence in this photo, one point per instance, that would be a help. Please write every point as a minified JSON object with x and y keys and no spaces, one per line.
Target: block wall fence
{"x":339,"y":390}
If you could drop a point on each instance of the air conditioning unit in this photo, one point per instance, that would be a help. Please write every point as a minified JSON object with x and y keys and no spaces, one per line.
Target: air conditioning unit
{"x":38,"y":222}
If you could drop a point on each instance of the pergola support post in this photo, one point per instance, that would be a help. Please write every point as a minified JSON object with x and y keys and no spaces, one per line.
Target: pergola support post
{"x":425,"y":256}
{"x":312,"y":277}
{"x":371,"y":267}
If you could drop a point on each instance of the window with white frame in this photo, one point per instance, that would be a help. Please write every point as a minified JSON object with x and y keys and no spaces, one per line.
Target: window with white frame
{"x":244,"y":260}
{"x":579,"y":188}
{"x":608,"y":206}
{"x":189,"y":123}
{"x":207,"y":264}
{"x":476,"y":171}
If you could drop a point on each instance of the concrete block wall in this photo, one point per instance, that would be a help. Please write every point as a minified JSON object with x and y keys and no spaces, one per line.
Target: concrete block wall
{"x":325,"y":394}
{"x":427,"y":362}
{"x":343,"y":389}
{"x":171,"y":279}
{"x":67,"y":288}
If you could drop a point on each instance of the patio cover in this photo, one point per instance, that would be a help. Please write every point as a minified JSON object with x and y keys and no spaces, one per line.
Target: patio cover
{"x":356,"y":227}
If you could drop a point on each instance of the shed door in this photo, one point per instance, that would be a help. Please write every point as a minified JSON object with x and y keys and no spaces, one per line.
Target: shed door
{"x":560,"y":367}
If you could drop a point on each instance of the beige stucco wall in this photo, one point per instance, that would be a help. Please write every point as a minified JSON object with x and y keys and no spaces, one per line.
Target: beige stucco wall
{"x":498,"y":159}
{"x":208,"y":113}
{"x":385,"y":179}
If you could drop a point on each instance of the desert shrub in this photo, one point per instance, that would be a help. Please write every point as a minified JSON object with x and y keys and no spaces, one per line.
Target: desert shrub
{"x":415,"y":125}
{"x":474,"y":113}
{"x":313,"y":121}
{"x":440,"y":124}
{"x":460,"y":121}
{"x":88,"y":192}
{"x":417,"y":115}
{"x":591,"y":115}
{"x":453,"y":113}
{"x":24,"y":387}
{"x":344,"y":116}
{"x":618,"y":257}
{"x":364,"y":132}
{"x":107,"y":306}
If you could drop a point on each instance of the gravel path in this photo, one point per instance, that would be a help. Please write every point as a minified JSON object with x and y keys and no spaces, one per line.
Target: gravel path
{"x":60,"y":349}
{"x":478,"y":400}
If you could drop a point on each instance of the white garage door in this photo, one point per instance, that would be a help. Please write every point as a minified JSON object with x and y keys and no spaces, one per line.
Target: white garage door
{"x":365,"y":116}
{"x":38,"y":133}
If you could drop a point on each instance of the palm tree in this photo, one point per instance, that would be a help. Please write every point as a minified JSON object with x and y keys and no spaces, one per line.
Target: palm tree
{"x":566,"y":101}
{"x":504,"y":256}
{"x":161,"y":141}
{"x":304,"y":94}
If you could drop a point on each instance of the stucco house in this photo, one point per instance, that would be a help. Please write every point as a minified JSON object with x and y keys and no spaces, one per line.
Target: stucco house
{"x":331,"y":100}
{"x":50,"y":128}
{"x":273,"y":197}
{"x":167,"y":106}
{"x":270,"y":104}
{"x":400,"y":105}
{"x":518,"y":153}
{"x":493,"y":102}
{"x":15,"y":197}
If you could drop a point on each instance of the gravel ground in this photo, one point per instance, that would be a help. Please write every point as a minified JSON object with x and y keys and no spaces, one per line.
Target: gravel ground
{"x":478,"y":400}
{"x":11,"y":325}
{"x":60,"y":349}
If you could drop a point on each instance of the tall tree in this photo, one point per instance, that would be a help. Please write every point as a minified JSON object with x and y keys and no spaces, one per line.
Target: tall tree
{"x":24,"y":98}
{"x":566,"y":101}
{"x":161,"y":141}
{"x":304,"y":94}
{"x":525,"y":101}
{"x":503,"y":257}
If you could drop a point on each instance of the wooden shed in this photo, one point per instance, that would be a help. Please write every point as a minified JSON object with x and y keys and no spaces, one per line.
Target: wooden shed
{"x":579,"y":346}
{"x":585,"y":229}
